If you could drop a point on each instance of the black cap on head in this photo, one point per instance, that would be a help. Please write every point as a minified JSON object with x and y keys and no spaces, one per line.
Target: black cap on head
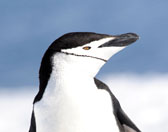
{"x":75,"y":39}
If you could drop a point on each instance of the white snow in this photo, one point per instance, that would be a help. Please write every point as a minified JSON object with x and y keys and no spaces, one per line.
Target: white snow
{"x":144,"y":98}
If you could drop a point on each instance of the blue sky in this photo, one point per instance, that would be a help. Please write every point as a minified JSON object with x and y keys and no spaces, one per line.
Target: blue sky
{"x":29,"y":27}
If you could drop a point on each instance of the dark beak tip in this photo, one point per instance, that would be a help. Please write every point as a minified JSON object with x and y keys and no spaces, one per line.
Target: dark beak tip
{"x":122,"y":40}
{"x":129,"y":38}
{"x":132,"y":36}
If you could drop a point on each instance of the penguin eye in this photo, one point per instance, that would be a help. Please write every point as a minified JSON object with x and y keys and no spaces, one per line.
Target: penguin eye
{"x":87,"y":48}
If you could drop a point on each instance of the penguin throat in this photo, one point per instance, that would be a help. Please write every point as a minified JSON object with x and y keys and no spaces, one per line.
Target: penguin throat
{"x":67,"y":53}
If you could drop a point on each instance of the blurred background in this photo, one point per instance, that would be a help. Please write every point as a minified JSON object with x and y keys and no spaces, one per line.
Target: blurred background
{"x":137,"y":75}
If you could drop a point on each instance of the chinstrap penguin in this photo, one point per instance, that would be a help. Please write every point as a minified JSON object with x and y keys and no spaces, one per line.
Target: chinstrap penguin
{"x":70,"y":98}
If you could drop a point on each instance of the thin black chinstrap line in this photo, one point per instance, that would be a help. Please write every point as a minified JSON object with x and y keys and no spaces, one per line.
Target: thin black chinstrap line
{"x":84,"y":56}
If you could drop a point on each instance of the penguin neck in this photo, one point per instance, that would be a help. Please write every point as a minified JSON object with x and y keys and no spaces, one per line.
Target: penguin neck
{"x":70,"y":75}
{"x":70,"y":79}
{"x":71,"y":66}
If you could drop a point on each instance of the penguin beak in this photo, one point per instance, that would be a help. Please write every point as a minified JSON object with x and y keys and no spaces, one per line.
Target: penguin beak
{"x":121,"y":40}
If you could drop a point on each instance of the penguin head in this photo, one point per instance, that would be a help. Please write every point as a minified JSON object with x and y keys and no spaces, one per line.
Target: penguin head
{"x":87,"y":52}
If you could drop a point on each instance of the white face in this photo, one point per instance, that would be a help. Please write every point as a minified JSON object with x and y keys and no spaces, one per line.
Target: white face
{"x":88,"y":58}
{"x":92,"y":49}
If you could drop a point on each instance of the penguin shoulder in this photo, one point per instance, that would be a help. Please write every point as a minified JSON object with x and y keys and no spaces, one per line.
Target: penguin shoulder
{"x":123,"y":121}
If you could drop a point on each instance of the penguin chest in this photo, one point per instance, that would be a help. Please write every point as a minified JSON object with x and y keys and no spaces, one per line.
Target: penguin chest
{"x":78,"y":112}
